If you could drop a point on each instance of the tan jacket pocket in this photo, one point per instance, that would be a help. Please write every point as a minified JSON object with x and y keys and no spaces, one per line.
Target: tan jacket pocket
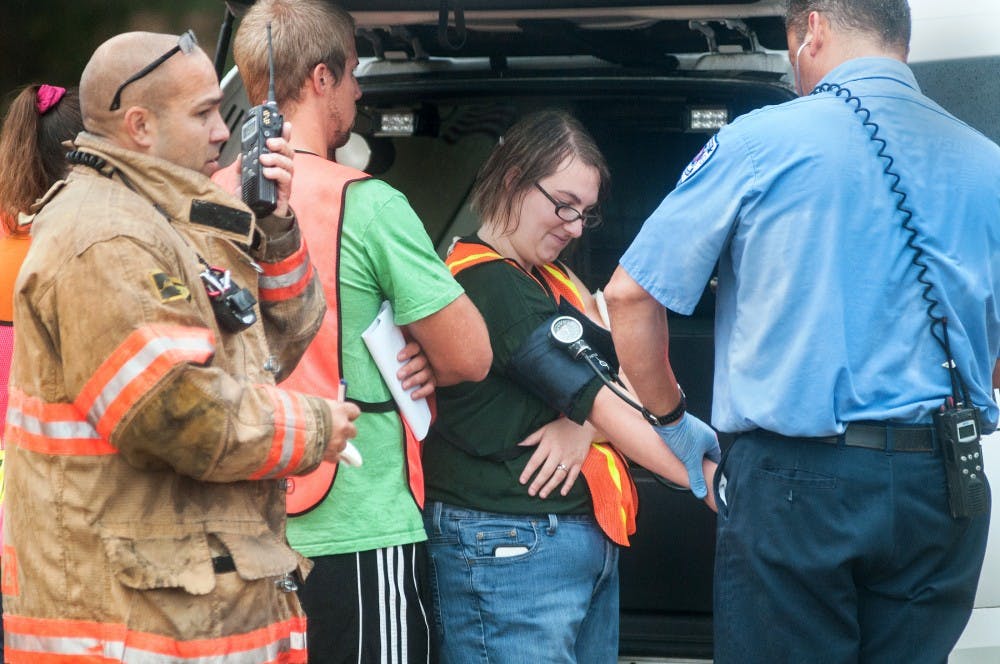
{"x":181,"y":561}
{"x":259,"y":556}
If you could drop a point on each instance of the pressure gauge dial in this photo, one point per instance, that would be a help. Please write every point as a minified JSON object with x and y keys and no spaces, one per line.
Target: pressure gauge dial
{"x":566,"y":330}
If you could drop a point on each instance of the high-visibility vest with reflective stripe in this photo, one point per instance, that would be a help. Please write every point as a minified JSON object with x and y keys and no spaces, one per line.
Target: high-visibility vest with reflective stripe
{"x":318,"y":201}
{"x":612,"y":491}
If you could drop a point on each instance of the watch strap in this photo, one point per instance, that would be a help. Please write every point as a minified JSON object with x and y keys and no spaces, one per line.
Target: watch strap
{"x":669,"y":418}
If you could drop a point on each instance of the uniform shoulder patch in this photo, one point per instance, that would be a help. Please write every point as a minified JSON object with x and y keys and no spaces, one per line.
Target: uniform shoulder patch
{"x":700,"y":159}
{"x":169,"y":288}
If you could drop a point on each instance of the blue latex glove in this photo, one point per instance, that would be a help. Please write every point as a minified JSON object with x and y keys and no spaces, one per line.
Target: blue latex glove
{"x":691,"y":440}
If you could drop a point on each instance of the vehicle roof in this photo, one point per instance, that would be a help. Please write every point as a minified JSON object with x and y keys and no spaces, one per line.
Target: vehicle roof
{"x":617,"y":30}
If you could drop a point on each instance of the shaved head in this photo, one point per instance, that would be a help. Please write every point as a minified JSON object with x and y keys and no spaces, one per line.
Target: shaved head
{"x":170,"y":112}
{"x":112,"y":64}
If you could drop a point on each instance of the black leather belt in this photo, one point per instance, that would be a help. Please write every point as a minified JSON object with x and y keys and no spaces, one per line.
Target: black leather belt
{"x":887,"y":437}
{"x":223,"y":564}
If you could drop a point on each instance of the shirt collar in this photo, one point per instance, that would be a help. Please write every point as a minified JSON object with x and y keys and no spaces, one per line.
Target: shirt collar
{"x":860,"y":69}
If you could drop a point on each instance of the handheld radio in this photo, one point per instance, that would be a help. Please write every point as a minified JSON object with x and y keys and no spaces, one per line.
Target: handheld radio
{"x":958,"y":431}
{"x":957,"y":424}
{"x":264,"y":122}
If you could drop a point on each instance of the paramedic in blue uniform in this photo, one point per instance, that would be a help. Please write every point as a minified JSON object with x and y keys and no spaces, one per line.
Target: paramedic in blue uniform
{"x":835,"y":539}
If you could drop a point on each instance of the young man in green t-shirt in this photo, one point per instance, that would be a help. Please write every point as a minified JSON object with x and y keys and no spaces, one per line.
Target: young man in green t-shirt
{"x":362,"y":597}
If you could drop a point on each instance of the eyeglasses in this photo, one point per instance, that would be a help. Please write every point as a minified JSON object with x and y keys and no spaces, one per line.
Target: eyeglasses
{"x":186,"y":43}
{"x":568,"y":213}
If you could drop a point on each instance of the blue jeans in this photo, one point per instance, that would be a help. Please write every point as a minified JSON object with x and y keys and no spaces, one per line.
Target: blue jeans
{"x":522,"y":589}
{"x":829,"y":554}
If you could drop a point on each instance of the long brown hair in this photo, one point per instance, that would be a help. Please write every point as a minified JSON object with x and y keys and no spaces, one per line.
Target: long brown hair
{"x":32,"y":157}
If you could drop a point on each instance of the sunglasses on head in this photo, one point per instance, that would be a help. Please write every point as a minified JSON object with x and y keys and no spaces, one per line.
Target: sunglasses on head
{"x":186,"y":43}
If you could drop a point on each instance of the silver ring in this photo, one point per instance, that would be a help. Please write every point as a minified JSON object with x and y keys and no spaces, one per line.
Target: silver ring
{"x":562,"y":466}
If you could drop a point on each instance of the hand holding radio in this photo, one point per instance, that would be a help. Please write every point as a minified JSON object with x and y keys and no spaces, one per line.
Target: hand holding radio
{"x":277,"y":167}
{"x":265,"y":177}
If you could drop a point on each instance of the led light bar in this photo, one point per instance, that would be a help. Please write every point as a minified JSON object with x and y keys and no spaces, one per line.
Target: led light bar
{"x":710,"y":118}
{"x":396,"y":123}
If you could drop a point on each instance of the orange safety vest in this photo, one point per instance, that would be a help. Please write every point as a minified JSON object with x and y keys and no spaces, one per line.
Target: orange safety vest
{"x":612,"y":490}
{"x":13,"y":249}
{"x":12,"y":252}
{"x":318,"y":202}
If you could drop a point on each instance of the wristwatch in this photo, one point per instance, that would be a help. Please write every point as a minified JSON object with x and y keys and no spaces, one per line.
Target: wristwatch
{"x":669,"y":418}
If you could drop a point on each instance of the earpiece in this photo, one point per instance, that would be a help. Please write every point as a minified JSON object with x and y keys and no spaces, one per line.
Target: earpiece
{"x":805,"y":42}
{"x":798,"y":53}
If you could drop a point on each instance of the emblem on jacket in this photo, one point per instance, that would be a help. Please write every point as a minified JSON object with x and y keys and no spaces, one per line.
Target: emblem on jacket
{"x":700,"y":159}
{"x":169,"y":288}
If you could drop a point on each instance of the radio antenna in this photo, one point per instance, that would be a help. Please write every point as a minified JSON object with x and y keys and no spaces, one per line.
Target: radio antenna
{"x":270,"y":64}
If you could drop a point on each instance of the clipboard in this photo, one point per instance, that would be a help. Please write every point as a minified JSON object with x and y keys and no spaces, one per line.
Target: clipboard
{"x":384,"y":340}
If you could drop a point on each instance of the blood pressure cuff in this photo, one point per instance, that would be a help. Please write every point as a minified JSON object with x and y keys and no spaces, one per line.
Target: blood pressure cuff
{"x":549,"y":372}
{"x":596,"y":336}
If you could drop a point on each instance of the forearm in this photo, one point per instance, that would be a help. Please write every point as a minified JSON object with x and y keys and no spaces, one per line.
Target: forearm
{"x":456,"y":342}
{"x":203,"y":423}
{"x":641,"y":335}
{"x":632,"y":436}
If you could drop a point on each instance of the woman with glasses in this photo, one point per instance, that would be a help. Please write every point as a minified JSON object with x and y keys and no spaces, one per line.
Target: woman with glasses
{"x":522,"y":551}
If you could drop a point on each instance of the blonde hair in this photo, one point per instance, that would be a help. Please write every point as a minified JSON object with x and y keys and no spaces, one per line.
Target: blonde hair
{"x":304,"y":33}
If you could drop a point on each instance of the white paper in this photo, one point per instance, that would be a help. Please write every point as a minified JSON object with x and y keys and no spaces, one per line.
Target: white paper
{"x":384,"y":340}
{"x":351,"y":456}
{"x":602,"y":308}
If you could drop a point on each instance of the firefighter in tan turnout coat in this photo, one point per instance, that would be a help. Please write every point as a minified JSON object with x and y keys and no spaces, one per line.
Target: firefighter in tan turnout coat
{"x":146,"y":442}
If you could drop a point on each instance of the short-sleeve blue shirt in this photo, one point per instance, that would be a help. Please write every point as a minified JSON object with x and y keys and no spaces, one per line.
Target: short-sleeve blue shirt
{"x":819,"y":315}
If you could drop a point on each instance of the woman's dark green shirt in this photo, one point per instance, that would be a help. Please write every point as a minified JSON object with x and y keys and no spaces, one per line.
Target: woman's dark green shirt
{"x":471,"y":455}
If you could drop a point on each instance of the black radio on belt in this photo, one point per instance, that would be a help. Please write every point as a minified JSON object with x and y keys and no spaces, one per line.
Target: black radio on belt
{"x":232,"y":305}
{"x":958,"y":431}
